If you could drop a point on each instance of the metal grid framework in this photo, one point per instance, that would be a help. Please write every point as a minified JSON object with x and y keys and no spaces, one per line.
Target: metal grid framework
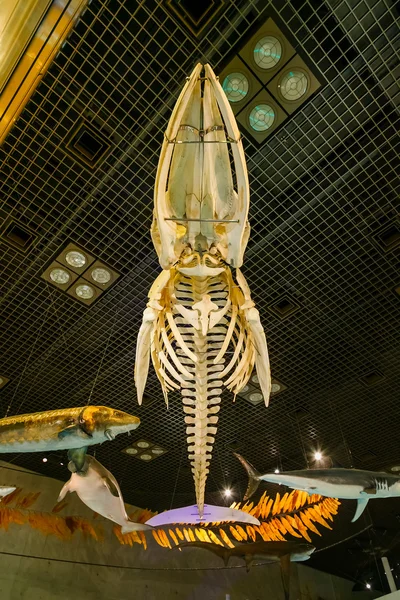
{"x":320,"y":190}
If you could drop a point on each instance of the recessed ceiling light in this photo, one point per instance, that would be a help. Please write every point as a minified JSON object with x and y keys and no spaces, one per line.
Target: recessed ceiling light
{"x":157,"y":451}
{"x":145,"y":457}
{"x":143,"y":444}
{"x":277,"y":387}
{"x":395,"y":468}
{"x":236,"y":86}
{"x":84,"y":291}
{"x":255,"y":398}
{"x":255,"y":379}
{"x":262,"y":117}
{"x":100,"y":275}
{"x":318,"y":455}
{"x":131,"y":450}
{"x":59,"y":275}
{"x":267,"y":52}
{"x":285,"y":306}
{"x":75,"y":258}
{"x":276,"y":471}
{"x":227,"y":493}
{"x":293,"y":85}
{"x":44,"y":460}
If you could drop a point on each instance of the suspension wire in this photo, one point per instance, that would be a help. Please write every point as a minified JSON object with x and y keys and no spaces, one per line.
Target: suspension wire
{"x":177,"y":475}
{"x":347,"y":447}
{"x":301,"y":442}
{"x":26,"y":366}
{"x":344,"y":540}
{"x":62,"y":333}
{"x":103,"y":356}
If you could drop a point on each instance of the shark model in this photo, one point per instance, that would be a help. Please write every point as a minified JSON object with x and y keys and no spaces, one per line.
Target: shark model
{"x":99,"y":490}
{"x":72,"y":429}
{"x":283,"y":552}
{"x":346,"y":484}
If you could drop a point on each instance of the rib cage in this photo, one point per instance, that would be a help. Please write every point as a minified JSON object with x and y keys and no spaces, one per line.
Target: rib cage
{"x":201,"y":356}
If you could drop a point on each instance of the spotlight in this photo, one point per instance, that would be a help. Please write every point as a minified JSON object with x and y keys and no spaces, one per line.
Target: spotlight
{"x":62,"y":464}
{"x":44,"y":459}
{"x":227,"y":493}
{"x":277,"y":471}
{"x":75,"y":258}
{"x":368,"y":586}
{"x":84,"y":291}
{"x":101,"y":275}
{"x":60,"y":276}
{"x":318,"y":455}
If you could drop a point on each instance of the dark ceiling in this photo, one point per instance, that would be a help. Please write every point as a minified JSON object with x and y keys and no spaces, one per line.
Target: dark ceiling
{"x":324,"y":204}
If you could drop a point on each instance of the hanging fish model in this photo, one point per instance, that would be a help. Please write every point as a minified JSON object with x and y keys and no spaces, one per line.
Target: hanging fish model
{"x":283,"y":552}
{"x":350,"y":484}
{"x":72,"y":429}
{"x":201,"y":327}
{"x":99,"y":490}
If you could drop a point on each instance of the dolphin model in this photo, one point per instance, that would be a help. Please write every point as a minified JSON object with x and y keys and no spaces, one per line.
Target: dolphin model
{"x":72,"y":429}
{"x":283,"y":552}
{"x":189,"y":515}
{"x":6,"y":490}
{"x":99,"y":490}
{"x":346,"y":484}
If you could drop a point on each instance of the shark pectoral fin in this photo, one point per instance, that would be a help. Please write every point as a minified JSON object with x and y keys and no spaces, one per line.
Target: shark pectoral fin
{"x":64,"y":491}
{"x":110,"y":485}
{"x":79,"y":463}
{"x":73,"y":430}
{"x":285,"y":572}
{"x":361,"y":506}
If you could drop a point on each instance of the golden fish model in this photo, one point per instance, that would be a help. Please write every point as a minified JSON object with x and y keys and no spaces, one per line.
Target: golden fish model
{"x":72,"y":429}
{"x":200,"y":326}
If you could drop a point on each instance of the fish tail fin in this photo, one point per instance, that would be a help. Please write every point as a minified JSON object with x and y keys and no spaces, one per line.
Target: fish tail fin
{"x":132,"y":526}
{"x":253,"y":475}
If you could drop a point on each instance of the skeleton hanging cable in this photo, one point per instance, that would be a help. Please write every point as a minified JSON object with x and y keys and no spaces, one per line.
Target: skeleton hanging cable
{"x":201,"y":327}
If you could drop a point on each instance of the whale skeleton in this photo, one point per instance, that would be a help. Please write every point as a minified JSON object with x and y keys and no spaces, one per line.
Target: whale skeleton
{"x":200,"y":326}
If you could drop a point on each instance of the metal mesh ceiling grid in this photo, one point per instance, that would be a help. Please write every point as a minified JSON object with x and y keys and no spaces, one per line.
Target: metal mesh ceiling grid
{"x":320,"y":189}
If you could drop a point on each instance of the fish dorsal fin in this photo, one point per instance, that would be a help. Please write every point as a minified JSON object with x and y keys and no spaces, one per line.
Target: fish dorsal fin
{"x":361,"y":506}
{"x":110,"y":485}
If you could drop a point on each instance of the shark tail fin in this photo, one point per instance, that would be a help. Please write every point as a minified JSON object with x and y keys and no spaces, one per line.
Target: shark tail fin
{"x":253,"y":475}
{"x":361,"y":506}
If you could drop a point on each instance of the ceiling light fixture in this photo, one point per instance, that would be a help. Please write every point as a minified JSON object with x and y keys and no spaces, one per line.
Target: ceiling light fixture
{"x":318,"y":455}
{"x":75,"y":259}
{"x":144,"y":450}
{"x":276,"y":471}
{"x":227,"y":493}
{"x":59,"y":275}
{"x":74,"y":262}
{"x":100,"y":275}
{"x":44,"y":460}
{"x":267,"y":81}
